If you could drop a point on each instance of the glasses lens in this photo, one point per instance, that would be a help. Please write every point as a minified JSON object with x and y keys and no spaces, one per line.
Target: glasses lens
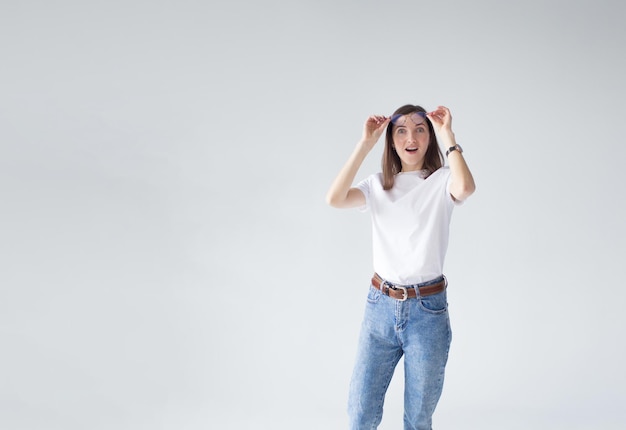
{"x":398,"y":119}
{"x":415,"y":117}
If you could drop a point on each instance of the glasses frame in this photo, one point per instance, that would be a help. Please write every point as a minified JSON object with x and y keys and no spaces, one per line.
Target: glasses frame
{"x":400,"y":119}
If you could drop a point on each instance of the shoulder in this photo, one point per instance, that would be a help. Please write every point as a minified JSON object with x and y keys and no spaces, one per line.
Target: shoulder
{"x":376,"y":177}
{"x":372,"y":180}
{"x":442,"y":171}
{"x":441,"y":174}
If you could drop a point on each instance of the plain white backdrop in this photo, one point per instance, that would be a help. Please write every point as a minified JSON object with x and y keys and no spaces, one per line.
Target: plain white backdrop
{"x":168,"y":261}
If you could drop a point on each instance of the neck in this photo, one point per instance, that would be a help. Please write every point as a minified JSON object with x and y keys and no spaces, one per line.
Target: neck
{"x":412,"y":168}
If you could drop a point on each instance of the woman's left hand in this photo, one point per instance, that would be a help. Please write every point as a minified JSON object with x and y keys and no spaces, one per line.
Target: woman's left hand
{"x":441,"y":119}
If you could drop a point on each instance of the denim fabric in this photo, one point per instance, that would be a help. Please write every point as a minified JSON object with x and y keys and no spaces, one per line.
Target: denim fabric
{"x":417,"y":328}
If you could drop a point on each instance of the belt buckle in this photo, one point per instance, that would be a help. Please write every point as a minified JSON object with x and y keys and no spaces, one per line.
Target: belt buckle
{"x":405,"y":292}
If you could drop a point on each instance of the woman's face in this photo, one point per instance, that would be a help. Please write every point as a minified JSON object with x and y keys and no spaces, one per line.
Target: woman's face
{"x":411,"y":138}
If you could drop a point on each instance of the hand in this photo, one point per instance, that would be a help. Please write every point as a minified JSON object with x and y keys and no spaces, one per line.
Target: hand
{"x":374,"y":127}
{"x":441,"y":119}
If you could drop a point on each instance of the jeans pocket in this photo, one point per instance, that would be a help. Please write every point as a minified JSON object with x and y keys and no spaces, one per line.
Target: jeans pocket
{"x":435,"y":304}
{"x":373,"y":295}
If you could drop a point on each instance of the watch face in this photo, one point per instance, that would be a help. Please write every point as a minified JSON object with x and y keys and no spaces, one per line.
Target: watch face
{"x":458,"y":148}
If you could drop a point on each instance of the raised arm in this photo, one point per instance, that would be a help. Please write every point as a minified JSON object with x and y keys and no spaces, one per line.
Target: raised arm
{"x":341,"y":193}
{"x":461,"y":182}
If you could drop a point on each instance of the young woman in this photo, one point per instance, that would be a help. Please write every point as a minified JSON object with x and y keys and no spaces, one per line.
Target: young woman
{"x":411,"y":204}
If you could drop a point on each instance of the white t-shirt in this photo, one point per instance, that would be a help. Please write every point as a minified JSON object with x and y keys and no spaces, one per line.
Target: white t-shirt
{"x":410,"y":224}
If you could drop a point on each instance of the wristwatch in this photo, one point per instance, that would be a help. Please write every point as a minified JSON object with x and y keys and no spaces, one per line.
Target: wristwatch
{"x":456,"y":147}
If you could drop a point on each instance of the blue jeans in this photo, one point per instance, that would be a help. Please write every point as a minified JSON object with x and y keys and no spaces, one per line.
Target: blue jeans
{"x":417,"y":328}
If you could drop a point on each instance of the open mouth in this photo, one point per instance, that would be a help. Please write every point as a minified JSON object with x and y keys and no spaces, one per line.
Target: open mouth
{"x":411,"y":149}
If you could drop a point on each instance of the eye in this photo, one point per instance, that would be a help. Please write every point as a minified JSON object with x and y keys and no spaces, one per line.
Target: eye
{"x":421,"y":129}
{"x":401,"y":131}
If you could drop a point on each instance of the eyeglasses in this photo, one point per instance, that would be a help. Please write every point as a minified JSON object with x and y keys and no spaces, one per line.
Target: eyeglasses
{"x":416,"y":117}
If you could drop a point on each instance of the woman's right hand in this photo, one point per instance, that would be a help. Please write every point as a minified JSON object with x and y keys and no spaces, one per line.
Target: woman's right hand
{"x":373,"y":128}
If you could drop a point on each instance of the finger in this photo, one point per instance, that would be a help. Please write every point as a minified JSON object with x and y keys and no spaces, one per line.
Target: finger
{"x":375,"y":118}
{"x":373,"y":121}
{"x":439,"y":111}
{"x":434,"y":116}
{"x":382,"y":120}
{"x":444,"y":110}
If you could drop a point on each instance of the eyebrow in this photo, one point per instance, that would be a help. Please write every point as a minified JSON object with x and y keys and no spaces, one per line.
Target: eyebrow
{"x":416,"y":125}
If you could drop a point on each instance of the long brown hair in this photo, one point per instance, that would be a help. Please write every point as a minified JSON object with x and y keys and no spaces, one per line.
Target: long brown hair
{"x":391,"y":162}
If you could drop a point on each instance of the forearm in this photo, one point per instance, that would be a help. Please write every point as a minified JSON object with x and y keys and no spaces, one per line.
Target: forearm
{"x":338,"y":194}
{"x":462,"y":182}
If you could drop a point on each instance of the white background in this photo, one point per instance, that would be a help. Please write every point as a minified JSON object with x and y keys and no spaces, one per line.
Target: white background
{"x":168,"y":260}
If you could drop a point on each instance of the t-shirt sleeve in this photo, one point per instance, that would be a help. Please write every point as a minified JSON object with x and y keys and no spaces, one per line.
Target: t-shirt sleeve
{"x":365,"y":186}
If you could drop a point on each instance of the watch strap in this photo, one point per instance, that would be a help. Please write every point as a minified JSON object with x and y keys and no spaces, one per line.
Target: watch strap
{"x":453,"y":148}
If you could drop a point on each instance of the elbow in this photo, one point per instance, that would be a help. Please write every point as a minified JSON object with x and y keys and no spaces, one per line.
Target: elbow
{"x":332,"y":200}
{"x":464,"y":191}
{"x":469,"y":189}
{"x":336,"y":201}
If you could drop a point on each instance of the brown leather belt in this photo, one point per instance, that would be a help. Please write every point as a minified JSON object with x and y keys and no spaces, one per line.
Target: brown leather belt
{"x":402,"y":293}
